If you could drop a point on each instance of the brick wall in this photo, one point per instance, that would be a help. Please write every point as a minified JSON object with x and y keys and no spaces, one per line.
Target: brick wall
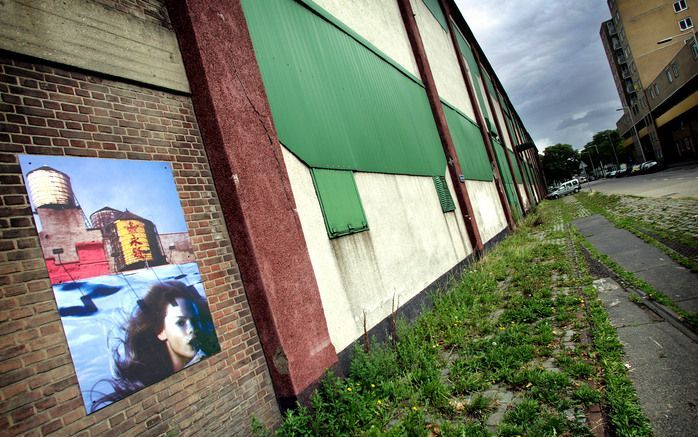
{"x":50,"y":110}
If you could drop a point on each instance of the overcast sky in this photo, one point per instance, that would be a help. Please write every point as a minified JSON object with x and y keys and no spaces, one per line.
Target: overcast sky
{"x":550,"y":59}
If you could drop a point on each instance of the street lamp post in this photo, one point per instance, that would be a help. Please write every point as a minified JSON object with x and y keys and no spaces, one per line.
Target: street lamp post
{"x":600,"y":161}
{"x":613,"y":148}
{"x":591,"y":160}
{"x":637,"y":137}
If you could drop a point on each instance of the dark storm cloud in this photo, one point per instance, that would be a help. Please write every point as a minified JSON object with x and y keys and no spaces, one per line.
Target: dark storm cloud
{"x":549,"y":57}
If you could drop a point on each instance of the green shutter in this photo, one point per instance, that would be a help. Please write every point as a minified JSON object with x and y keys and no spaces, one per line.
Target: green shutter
{"x":339,"y":201}
{"x":445,"y":198}
{"x":470,"y":147}
{"x":435,"y":9}
{"x":337,"y":101}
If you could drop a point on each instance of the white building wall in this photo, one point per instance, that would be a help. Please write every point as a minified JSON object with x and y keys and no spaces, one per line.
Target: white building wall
{"x":524,"y":196}
{"x":442,"y":59}
{"x":410,"y":243}
{"x":500,"y":118}
{"x":489,"y":213}
{"x":477,"y":82}
{"x":380,"y":23}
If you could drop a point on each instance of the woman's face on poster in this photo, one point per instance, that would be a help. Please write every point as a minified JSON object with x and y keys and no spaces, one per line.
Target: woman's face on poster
{"x":179,"y":329}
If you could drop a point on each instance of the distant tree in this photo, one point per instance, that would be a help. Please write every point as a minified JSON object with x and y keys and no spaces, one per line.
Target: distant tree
{"x":560,"y":162}
{"x":604,"y":148}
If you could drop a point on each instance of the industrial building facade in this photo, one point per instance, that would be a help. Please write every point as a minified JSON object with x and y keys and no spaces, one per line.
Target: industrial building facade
{"x":334,"y":161}
{"x":653,"y":53}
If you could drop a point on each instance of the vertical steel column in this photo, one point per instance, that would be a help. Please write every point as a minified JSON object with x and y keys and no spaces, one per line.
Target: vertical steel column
{"x":518,"y":162}
{"x":480,"y":120}
{"x":541,"y":174}
{"x":454,"y":169}
{"x":499,"y":131}
{"x":247,"y":165}
{"x":527,"y":184}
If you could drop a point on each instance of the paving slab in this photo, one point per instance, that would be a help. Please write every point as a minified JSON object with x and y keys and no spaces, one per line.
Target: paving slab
{"x":615,"y":299}
{"x":646,"y":261}
{"x":662,"y":363}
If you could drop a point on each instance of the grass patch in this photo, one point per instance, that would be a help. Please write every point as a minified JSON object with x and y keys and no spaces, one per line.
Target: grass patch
{"x":491,"y":332}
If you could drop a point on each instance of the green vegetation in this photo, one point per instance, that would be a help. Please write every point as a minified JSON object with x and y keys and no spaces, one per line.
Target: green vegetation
{"x":498,"y":354}
{"x":560,"y":162}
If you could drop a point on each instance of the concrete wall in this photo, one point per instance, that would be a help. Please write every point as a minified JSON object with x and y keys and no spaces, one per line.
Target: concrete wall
{"x":442,"y":59}
{"x":409,"y":244}
{"x":95,"y":37}
{"x":489,"y":213}
{"x":379,"y":22}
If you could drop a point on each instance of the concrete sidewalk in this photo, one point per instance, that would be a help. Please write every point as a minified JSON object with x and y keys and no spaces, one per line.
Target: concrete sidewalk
{"x":645,"y":261}
{"x":662,"y":361}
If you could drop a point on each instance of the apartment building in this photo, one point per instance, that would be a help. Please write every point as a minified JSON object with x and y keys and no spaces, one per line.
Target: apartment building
{"x":653,"y":54}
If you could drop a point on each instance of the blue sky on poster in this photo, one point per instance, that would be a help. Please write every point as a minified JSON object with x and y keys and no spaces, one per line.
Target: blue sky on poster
{"x":550,"y":59}
{"x":145,"y":188}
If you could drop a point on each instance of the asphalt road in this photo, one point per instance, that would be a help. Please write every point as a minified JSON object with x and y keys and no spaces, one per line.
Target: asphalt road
{"x":672,"y":182}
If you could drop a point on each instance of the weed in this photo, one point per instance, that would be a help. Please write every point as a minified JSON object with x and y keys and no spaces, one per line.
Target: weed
{"x":489,"y":331}
{"x":587,"y":395}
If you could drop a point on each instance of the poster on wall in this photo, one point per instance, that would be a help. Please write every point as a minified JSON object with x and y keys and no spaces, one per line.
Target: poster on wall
{"x":122,"y":268}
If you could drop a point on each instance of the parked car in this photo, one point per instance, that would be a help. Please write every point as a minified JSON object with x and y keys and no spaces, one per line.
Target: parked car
{"x":651,"y":166}
{"x":582,"y":179}
{"x":635,"y":169}
{"x":569,"y":187}
{"x":624,"y":171}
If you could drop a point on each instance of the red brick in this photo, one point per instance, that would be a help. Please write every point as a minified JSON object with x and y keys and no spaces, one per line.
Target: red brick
{"x":34,"y":130}
{"x":51,"y":427}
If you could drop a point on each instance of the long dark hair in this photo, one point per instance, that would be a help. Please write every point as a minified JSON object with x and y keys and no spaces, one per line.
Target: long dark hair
{"x":144,"y":359}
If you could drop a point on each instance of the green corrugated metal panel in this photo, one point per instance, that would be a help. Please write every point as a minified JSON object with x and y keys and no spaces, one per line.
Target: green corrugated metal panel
{"x":435,"y":9}
{"x":515,"y":165}
{"x":510,"y":128}
{"x":474,"y":71}
{"x":444,"y":194}
{"x":490,"y":87}
{"x":507,"y":179}
{"x":339,"y":201}
{"x":338,"y":103}
{"x":527,"y":172}
{"x":469,"y":145}
{"x":490,"y":126}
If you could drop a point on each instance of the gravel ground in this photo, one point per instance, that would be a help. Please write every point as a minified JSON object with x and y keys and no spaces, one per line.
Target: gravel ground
{"x":678,"y":215}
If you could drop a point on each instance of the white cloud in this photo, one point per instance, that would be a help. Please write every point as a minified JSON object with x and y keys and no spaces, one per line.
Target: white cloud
{"x":550,"y":60}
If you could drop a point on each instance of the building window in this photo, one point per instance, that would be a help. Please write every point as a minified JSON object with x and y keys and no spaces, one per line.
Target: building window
{"x":694,"y":48}
{"x":669,"y":76}
{"x":675,"y":69}
{"x":679,"y":6}
{"x":656,"y":89}
{"x":685,"y":24}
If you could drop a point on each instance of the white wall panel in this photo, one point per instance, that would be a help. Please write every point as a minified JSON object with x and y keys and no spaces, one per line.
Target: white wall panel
{"x":410,"y":244}
{"x":380,"y":23}
{"x":489,"y":213}
{"x":442,"y":59}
